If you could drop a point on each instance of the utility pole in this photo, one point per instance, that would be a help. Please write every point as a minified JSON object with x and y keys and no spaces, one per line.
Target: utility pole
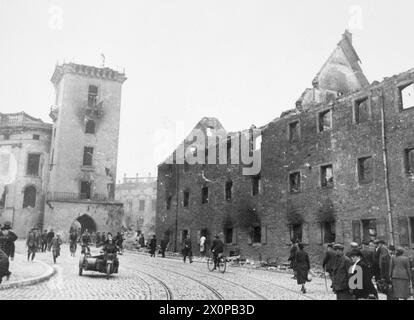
{"x":176,"y":207}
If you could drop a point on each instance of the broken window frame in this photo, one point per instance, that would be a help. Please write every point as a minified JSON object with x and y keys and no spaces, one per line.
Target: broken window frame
{"x":186,"y":198}
{"x":401,"y":88}
{"x":409,"y":165}
{"x":321,"y":120}
{"x":299,"y":182}
{"x":294,"y":126}
{"x":204,"y":195}
{"x":88,"y":156}
{"x":228,"y":190}
{"x":357,"y":110}
{"x":324,"y":182}
{"x":328,"y":231}
{"x":296,"y":231}
{"x":33,"y":169}
{"x":363,"y":178}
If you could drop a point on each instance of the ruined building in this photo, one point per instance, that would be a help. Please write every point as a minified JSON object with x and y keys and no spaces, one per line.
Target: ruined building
{"x":339,"y":167}
{"x":63,"y":174}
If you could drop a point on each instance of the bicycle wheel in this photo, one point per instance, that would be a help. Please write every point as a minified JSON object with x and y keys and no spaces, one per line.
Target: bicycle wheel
{"x":222,"y":264}
{"x":210,"y":264}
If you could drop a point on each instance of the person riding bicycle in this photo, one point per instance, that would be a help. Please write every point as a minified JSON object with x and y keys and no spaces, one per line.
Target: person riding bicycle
{"x":85,"y":241}
{"x":217,"y":248}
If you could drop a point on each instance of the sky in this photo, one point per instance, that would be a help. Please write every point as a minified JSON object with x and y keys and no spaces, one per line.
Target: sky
{"x":241,"y":61}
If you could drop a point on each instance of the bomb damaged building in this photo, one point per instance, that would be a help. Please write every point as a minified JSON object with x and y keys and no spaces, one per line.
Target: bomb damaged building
{"x":338,"y":167}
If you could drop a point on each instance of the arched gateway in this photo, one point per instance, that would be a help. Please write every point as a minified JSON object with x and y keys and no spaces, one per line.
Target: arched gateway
{"x":83,"y":222}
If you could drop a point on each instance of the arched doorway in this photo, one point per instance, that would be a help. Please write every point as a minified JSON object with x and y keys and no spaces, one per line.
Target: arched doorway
{"x":82,"y":223}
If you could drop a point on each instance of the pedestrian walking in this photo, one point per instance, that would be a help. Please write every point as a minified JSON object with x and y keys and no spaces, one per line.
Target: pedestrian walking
{"x":44,"y":240}
{"x":4,"y":266}
{"x":400,"y":275}
{"x":32,"y":244}
{"x":302,"y":266}
{"x":85,"y":242}
{"x":73,"y":237}
{"x":329,"y":261}
{"x":203,"y":246}
{"x":98,"y":239}
{"x":163,"y":246}
{"x":367,"y":290}
{"x":153,"y":246}
{"x":56,"y":243}
{"x":187,"y":249}
{"x":292,"y":256}
{"x":7,"y":239}
{"x":50,"y":236}
{"x":340,"y":283}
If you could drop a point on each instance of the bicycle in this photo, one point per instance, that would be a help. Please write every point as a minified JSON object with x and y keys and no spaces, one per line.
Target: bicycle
{"x":221,"y":263}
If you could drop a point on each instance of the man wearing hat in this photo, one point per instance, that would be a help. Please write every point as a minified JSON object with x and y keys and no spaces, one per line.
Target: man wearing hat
{"x":32,"y":243}
{"x":217,"y":247}
{"x":382,"y":260}
{"x":400,"y":275}
{"x":340,"y":284}
{"x":329,"y":260}
{"x":7,"y":239}
{"x":358,"y":265}
{"x":353,"y":246}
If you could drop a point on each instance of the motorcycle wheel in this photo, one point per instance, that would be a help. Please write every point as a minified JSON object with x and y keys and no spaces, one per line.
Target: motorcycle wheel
{"x":108,"y":271}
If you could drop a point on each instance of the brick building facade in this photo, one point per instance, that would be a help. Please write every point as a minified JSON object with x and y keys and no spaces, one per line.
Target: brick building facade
{"x":338,"y":167}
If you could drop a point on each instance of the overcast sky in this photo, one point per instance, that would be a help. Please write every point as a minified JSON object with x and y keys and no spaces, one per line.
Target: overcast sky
{"x":243,"y":62}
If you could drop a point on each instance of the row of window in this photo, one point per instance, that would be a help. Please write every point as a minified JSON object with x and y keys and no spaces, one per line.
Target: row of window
{"x":141,"y":205}
{"x":361,"y":112}
{"x":6,"y":136}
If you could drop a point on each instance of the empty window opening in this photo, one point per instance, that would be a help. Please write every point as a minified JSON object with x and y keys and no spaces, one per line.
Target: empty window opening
{"x":87,"y":156}
{"x":255,"y":185}
{"x":186,"y":199}
{"x":204,"y":195}
{"x":229,"y":186}
{"x":294,"y":182}
{"x":369,"y":230}
{"x":29,"y":198}
{"x":228,"y":150}
{"x":365,"y":169}
{"x":257,"y":234}
{"x":36,"y":137}
{"x":90,"y":127}
{"x":85,"y":190}
{"x":184,"y":235}
{"x":296,"y":232}
{"x":33,"y":163}
{"x":328,"y":232}
{"x":228,"y":235}
{"x":361,"y":111}
{"x":327,"y":176}
{"x":141,"y":205}
{"x":294,"y":131}
{"x":409,"y":161}
{"x":325,"y":121}
{"x":92,"y":95}
{"x":168,"y":202}
{"x":407,"y":96}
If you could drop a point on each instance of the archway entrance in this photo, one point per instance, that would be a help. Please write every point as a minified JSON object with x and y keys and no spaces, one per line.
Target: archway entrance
{"x":82,"y":223}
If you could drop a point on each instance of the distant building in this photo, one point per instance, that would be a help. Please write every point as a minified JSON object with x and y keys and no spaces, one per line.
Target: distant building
{"x":339,"y":167}
{"x":138,"y":195}
{"x":66,"y":172}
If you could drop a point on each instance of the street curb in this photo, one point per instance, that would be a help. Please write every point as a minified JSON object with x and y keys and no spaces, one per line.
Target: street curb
{"x":31,"y":281}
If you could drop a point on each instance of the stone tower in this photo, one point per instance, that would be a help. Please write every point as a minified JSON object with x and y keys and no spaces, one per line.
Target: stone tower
{"x":83,"y":153}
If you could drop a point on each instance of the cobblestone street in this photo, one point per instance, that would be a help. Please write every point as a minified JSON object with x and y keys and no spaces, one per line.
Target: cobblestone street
{"x":145,"y":278}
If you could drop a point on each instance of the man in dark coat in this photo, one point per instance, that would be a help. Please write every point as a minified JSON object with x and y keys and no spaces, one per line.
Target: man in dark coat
{"x":187,"y":250}
{"x":4,"y":266}
{"x":365,"y":289}
{"x":85,"y":242}
{"x":292,"y":256}
{"x":382,"y":260}
{"x":302,"y":266}
{"x":163,"y":246}
{"x":50,"y":236}
{"x":340,"y":274}
{"x":44,"y":240}
{"x":329,"y":260}
{"x":32,"y":243}
{"x":7,"y":239}
{"x":217,"y":248}
{"x":153,"y":246}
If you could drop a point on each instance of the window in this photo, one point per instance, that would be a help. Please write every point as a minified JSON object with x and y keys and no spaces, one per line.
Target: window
{"x":327,"y":176}
{"x":294,"y":131}
{"x":409,"y":161}
{"x":184,"y":235}
{"x":294,"y":182}
{"x":257,"y":234}
{"x":141,"y":205}
{"x":228,"y":150}
{"x":228,"y":235}
{"x":369,"y":230}
{"x":90,"y":127}
{"x":92,"y":96}
{"x":407,"y":96}
{"x":325,"y":121}
{"x":85,"y":190}
{"x":4,"y":164}
{"x":168,"y":202}
{"x":255,"y":185}
{"x":87,"y":156}
{"x":328,"y":232}
{"x":365,"y":170}
{"x":229,"y":186}
{"x":36,"y":137}
{"x":296,"y":232}
{"x":186,"y":166}
{"x":33,"y":163}
{"x":204,"y":195}
{"x":186,"y":198}
{"x":412,"y":229}
{"x":361,"y":111}
{"x":29,"y":198}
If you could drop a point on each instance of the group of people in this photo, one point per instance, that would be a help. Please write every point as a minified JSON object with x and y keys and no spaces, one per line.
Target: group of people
{"x":7,"y":248}
{"x":42,"y":242}
{"x":354,"y":273}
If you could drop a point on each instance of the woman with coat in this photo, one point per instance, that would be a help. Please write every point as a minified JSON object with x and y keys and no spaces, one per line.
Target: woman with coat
{"x":400,"y":275}
{"x":302,"y":266}
{"x":153,"y":246}
{"x":4,"y":266}
{"x":56,"y":243}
